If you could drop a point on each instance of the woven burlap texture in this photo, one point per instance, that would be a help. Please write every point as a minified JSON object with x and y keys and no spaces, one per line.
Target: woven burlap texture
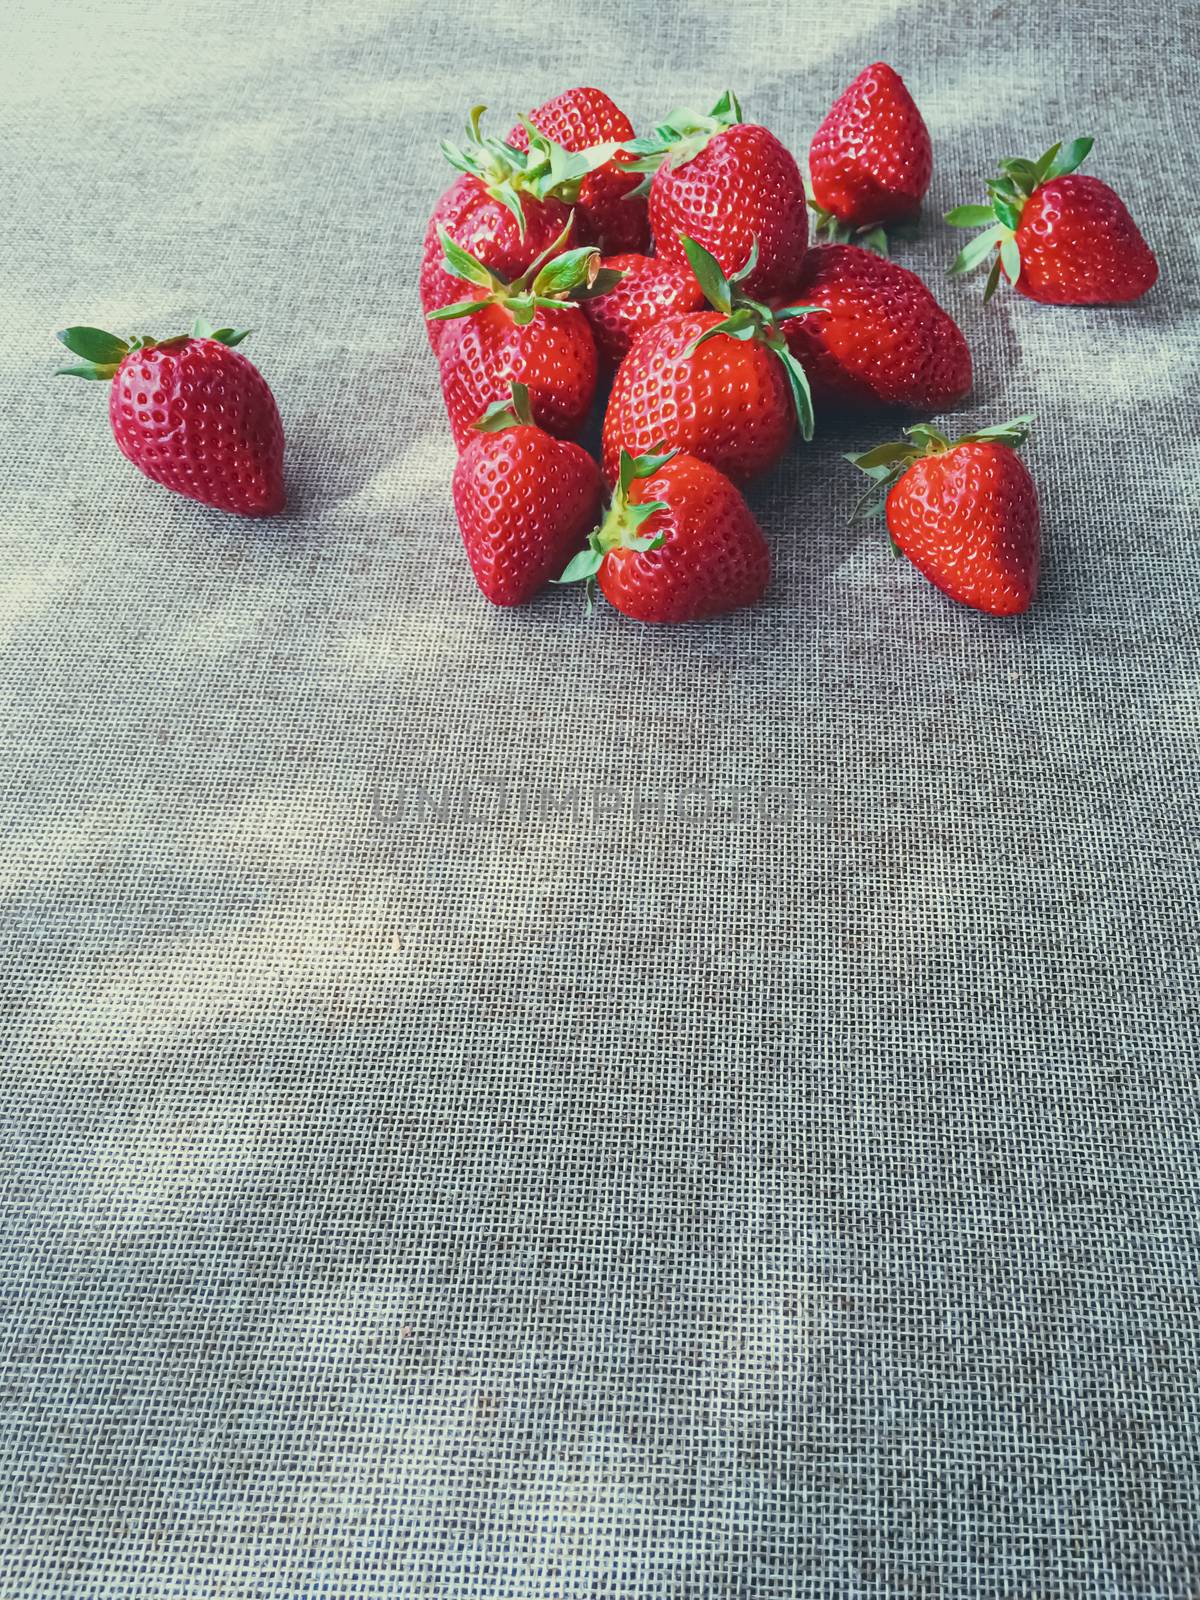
{"x":772,"y":1173}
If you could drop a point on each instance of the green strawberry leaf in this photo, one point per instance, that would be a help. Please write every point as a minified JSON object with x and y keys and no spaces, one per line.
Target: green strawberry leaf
{"x":460,"y":308}
{"x":95,"y":346}
{"x":459,"y":263}
{"x":712,"y":280}
{"x":1010,"y":258}
{"x":584,"y":565}
{"x":87,"y":369}
{"x":512,"y":413}
{"x":567,"y":271}
{"x":1013,"y":434}
{"x":928,"y":437}
{"x":1067,"y":160}
{"x":883,"y":456}
{"x":993,"y":281}
{"x":605,"y":280}
{"x":798,"y":384}
{"x":1008,"y":213}
{"x":977,"y":252}
{"x":648,"y":544}
{"x":1044,"y":162}
{"x":643,"y":466}
{"x":970,"y":216}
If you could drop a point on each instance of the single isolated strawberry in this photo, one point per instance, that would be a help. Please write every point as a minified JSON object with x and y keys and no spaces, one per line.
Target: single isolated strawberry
{"x":525,"y":501}
{"x":728,"y":185}
{"x":871,"y":160}
{"x":607,"y":212}
{"x":528,"y":331}
{"x":650,"y":290}
{"x":719,"y":384}
{"x":507,"y":208}
{"x":883,"y":339}
{"x":190,"y":412}
{"x":679,"y":543}
{"x":1057,"y":237}
{"x":965,"y":514}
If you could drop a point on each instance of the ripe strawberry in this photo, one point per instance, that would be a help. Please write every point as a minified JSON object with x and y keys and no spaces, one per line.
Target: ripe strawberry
{"x":721,"y":384}
{"x":1062,"y":239}
{"x":965,"y":514}
{"x":649,"y":290}
{"x":525,"y":501}
{"x":525,"y":331}
{"x":883,"y":341}
{"x":679,"y":543}
{"x":191,"y":413}
{"x":871,"y":160}
{"x":607,"y":213}
{"x":506,"y":209}
{"x":729,"y":185}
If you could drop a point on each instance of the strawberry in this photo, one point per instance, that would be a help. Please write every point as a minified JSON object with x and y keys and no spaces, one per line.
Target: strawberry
{"x":507,"y":209}
{"x":1059,"y":238}
{"x":679,"y":543}
{"x":607,"y":213}
{"x":190,"y":412}
{"x":965,"y":514}
{"x":527,"y":331}
{"x":729,"y":185}
{"x":525,"y":501}
{"x":649,"y":290}
{"x":720,"y":384}
{"x":871,"y":159}
{"x":883,"y":341}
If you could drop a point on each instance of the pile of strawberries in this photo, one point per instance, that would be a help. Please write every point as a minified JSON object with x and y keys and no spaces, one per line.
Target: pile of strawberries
{"x":680,"y":263}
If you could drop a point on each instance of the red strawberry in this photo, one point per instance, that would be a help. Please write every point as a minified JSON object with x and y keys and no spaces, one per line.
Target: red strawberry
{"x":525,"y":502}
{"x":526,"y":332}
{"x":883,"y":341}
{"x":729,"y":185}
{"x":649,"y":290}
{"x":871,"y":160}
{"x":1059,"y":238}
{"x":965,"y":514}
{"x":720,"y":384}
{"x":679,"y":543}
{"x":506,"y":209}
{"x":191,"y":413}
{"x":607,"y":214}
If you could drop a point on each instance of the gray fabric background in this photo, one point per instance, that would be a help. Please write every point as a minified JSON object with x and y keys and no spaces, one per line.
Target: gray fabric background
{"x":538,"y":1208}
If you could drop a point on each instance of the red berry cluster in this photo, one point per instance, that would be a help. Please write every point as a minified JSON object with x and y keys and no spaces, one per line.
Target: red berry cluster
{"x":682,"y":260}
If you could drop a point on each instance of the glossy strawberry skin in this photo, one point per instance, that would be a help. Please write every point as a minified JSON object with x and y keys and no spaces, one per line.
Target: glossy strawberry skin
{"x":199,"y":418}
{"x":883,"y":340}
{"x":1080,"y":246}
{"x":713,"y":557}
{"x":742,"y":187}
{"x":526,"y":503}
{"x":650,"y":291}
{"x":871,"y":159}
{"x":727,"y":402}
{"x":489,"y":231}
{"x":554,"y":355}
{"x":577,"y":119}
{"x":969,"y":520}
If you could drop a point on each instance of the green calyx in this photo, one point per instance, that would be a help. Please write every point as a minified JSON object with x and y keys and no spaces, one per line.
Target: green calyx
{"x":102,"y":353}
{"x":619,"y":530}
{"x":751,"y":320}
{"x":886,"y":464}
{"x":681,"y":138}
{"x":1001,"y":216}
{"x":833,"y":230}
{"x":545,"y":170}
{"x":515,"y":412}
{"x":557,"y":277}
